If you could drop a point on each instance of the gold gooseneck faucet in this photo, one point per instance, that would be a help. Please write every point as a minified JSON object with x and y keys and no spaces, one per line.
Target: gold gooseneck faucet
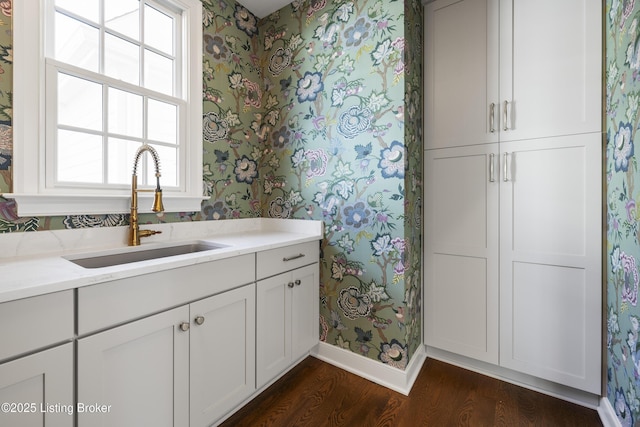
{"x":134,"y":229}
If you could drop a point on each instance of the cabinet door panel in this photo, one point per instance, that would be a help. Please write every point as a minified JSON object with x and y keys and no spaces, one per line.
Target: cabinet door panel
{"x":141,"y":369}
{"x":222,"y":354}
{"x":273,"y":329}
{"x":550,"y":73}
{"x":461,"y":72}
{"x":550,"y":277}
{"x":461,"y":251}
{"x":305,"y":311}
{"x":42,"y":379}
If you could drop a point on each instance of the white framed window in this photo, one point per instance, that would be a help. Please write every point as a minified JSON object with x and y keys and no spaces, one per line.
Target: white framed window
{"x":93,"y":80}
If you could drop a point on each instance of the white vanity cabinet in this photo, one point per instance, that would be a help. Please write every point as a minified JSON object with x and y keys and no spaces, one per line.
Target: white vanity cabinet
{"x":36,"y":377}
{"x":287,"y":308}
{"x":186,"y":366}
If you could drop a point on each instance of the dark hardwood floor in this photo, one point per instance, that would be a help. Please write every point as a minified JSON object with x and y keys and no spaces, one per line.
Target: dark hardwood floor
{"x":315,"y":393}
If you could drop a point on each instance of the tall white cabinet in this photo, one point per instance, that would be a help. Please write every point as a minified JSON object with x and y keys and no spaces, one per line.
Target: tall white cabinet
{"x":513,"y":185}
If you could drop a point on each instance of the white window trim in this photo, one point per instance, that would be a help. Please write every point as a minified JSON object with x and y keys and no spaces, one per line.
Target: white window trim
{"x":29,"y":188}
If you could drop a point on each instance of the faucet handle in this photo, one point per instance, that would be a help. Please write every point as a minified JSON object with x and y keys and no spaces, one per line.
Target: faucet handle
{"x":147,"y":233}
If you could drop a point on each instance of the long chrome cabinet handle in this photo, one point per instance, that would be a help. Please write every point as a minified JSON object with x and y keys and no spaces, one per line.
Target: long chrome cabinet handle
{"x":291,"y":258}
{"x":492,"y":113}
{"x":504,"y":116}
{"x":492,"y":176}
{"x":506,"y":168}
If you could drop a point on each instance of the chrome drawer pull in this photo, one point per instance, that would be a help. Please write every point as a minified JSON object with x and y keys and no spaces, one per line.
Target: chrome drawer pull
{"x":291,"y":258}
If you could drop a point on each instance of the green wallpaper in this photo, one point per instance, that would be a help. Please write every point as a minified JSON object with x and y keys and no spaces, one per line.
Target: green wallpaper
{"x":314,"y":112}
{"x":622,"y":69}
{"x":344,"y":145}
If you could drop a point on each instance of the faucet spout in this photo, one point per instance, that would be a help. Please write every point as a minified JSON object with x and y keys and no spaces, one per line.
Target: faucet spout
{"x":134,"y":229}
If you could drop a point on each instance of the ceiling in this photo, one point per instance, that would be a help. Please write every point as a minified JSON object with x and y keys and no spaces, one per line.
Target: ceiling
{"x":262,"y":8}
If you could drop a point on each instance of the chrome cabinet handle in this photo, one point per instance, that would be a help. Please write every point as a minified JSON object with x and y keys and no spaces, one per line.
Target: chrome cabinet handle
{"x":297,"y":282}
{"x":492,"y":113}
{"x":291,"y":258}
{"x":184,"y":326}
{"x":506,"y":167}
{"x":492,"y":176}
{"x":290,"y":284}
{"x":504,"y":116}
{"x":199,"y":320}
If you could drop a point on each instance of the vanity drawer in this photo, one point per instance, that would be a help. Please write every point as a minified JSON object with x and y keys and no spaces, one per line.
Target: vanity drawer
{"x":113,"y":303}
{"x":37,"y":322}
{"x":276,"y":261}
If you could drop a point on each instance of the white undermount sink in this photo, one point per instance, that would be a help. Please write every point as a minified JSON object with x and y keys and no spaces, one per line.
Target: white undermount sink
{"x":135,"y":254}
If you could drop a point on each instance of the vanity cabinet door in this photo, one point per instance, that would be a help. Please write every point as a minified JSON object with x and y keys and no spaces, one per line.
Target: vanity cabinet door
{"x":138,"y":371}
{"x":273,"y":329}
{"x":287,"y":320}
{"x":33,"y":386}
{"x":305,"y":316}
{"x":222,"y":344}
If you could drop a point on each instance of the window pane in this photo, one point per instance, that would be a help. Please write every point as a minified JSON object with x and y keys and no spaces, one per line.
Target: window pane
{"x":125,"y":113}
{"x":76,"y":43}
{"x":168,"y":167}
{"x":123,"y":16}
{"x":120,"y":157}
{"x":158,"y":30}
{"x":79,"y":157}
{"x":121,"y":59}
{"x":158,"y":73}
{"x":88,"y":9}
{"x":79,"y":102}
{"x":162,"y":121}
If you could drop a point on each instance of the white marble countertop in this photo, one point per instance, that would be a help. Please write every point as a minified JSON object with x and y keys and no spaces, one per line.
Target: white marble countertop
{"x":32,"y":263}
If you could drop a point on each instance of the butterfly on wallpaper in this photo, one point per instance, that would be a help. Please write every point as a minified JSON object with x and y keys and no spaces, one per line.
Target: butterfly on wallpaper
{"x":221,"y":156}
{"x":362,"y":335}
{"x":363,"y":151}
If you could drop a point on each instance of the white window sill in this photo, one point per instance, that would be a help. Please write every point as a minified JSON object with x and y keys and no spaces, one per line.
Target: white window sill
{"x":86,"y":204}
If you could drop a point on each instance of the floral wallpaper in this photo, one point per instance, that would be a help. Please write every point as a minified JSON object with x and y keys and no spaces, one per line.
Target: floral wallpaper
{"x":343,"y":113}
{"x":622,"y":117}
{"x":314,"y":112}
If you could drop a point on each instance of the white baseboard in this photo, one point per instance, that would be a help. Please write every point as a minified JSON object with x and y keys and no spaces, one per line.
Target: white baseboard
{"x":377,"y":372}
{"x":608,"y":414}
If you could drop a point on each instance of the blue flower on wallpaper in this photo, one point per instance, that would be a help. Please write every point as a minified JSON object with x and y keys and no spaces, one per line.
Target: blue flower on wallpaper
{"x":356,"y":34}
{"x":245,"y":20}
{"x":354,"y":121}
{"x":623,"y":147}
{"x":281,"y":137}
{"x":391,"y":162}
{"x":622,"y":409}
{"x":214,"y":211}
{"x":353,"y":303}
{"x":216,"y":47}
{"x":394,"y":354}
{"x":246,"y":170}
{"x":309,"y":86}
{"x":214,"y":127}
{"x":357,"y":216}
